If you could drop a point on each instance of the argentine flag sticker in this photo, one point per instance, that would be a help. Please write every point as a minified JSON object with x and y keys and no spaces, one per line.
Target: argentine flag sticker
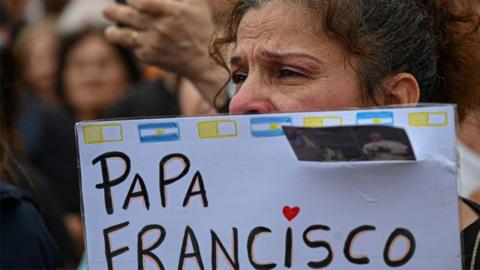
{"x":375,"y":118}
{"x":159,"y":132}
{"x":268,"y":126}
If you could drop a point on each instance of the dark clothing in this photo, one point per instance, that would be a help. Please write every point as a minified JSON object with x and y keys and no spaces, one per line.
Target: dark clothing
{"x":49,"y":137}
{"x":25,"y":242}
{"x":147,"y":99}
{"x":471,"y":241}
{"x":50,"y":208}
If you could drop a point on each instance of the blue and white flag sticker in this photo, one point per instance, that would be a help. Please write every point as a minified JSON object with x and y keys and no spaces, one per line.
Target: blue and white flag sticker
{"x":375,"y":118}
{"x":159,"y":132}
{"x":269,"y":126}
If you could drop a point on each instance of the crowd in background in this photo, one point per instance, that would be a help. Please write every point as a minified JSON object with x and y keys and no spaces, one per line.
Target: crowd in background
{"x":57,"y":68}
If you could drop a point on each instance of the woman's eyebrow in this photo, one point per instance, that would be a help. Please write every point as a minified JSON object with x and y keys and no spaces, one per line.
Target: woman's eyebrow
{"x":277,"y":56}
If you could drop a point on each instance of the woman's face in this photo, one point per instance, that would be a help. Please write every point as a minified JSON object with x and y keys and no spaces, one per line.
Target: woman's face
{"x":41,"y":65}
{"x":95,"y":76}
{"x":282,"y":63}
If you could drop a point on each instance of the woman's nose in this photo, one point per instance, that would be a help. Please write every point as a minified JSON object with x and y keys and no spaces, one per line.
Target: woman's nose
{"x":250,"y":100}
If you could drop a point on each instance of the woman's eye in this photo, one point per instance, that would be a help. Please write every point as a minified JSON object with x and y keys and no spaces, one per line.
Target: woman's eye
{"x":286,"y":72}
{"x":239,"y":77}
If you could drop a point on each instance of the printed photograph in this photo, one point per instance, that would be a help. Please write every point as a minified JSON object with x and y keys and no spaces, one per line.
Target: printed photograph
{"x":350,"y":143}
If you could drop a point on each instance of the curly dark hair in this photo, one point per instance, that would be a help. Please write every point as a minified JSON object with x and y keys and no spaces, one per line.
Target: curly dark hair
{"x":437,"y":41}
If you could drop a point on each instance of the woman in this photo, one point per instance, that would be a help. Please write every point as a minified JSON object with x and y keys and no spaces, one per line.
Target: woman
{"x":26,"y":240}
{"x":36,"y":55}
{"x":288,"y":56}
{"x":94,"y":74}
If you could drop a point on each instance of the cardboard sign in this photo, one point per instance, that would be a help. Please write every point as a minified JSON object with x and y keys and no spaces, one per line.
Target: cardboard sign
{"x":228,"y":192}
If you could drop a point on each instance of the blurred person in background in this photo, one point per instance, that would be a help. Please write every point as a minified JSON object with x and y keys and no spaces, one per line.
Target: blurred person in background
{"x":30,"y":212}
{"x":93,"y":73}
{"x":15,"y":14}
{"x":36,"y":52}
{"x":25,"y":240}
{"x":39,"y":124}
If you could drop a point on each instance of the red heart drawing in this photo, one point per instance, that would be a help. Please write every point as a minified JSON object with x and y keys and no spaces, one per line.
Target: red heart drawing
{"x":290,"y":213}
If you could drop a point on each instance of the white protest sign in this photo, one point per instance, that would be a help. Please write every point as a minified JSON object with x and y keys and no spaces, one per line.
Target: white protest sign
{"x":228,"y":192}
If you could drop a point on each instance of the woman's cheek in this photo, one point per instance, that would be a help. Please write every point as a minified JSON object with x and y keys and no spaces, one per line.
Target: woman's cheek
{"x":298,"y":99}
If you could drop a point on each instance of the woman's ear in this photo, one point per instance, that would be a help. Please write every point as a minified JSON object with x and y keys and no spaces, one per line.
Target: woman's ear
{"x":401,"y":88}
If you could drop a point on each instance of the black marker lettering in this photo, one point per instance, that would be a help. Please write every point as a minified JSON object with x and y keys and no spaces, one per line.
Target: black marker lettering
{"x":109,"y":254}
{"x":108,"y":183}
{"x":216,"y":242}
{"x":408,"y":255}
{"x":141,"y":193}
{"x":141,"y":252}
{"x":347,"y":250}
{"x":163,"y":181}
{"x":189,"y":234}
{"x":288,"y":248}
{"x":201,"y":190}
{"x":315,"y":244}
{"x":250,"y":248}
